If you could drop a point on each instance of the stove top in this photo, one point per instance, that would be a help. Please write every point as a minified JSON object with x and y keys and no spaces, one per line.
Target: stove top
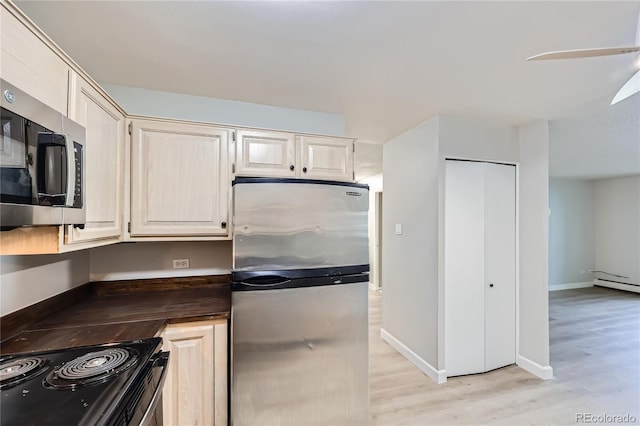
{"x":88,"y":385}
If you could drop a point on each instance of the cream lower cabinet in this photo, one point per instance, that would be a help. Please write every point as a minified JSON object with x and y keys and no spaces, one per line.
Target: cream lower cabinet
{"x":179,"y":179}
{"x":104,"y":163}
{"x":195,"y":390}
{"x":280,"y":154}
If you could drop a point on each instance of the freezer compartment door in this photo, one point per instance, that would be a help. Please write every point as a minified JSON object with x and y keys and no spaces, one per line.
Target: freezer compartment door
{"x":295,"y":224}
{"x":300,"y":356}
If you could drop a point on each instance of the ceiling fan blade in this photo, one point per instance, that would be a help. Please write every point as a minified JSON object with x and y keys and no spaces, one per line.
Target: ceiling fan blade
{"x":584,"y":53}
{"x":631,"y":87}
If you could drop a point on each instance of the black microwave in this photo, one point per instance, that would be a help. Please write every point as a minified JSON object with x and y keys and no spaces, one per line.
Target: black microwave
{"x":41,"y":163}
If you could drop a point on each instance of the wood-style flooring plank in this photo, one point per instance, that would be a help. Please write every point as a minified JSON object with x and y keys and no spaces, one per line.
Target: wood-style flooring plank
{"x":595,"y":354}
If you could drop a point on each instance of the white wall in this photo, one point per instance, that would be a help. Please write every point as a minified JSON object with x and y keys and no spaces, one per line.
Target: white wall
{"x":611,"y":133}
{"x":367,"y":160}
{"x":25,"y":280}
{"x":617,"y":228}
{"x":155,"y":260}
{"x":534,"y":246}
{"x":410,"y":261}
{"x":571,"y":231}
{"x":478,"y":140}
{"x":412,"y":265}
{"x":188,"y":107}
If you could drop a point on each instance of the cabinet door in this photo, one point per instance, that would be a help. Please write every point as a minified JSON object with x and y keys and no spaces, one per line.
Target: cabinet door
{"x":104,"y":160}
{"x":325,"y":158}
{"x":195,"y":391}
{"x":263,"y":153}
{"x":179,"y":179}
{"x":29,"y":64}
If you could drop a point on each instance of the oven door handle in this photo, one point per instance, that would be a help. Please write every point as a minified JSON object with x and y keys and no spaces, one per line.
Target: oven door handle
{"x":161,"y":361}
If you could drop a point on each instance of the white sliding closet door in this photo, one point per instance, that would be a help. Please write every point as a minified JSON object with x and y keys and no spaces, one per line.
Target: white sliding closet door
{"x":479,"y":266}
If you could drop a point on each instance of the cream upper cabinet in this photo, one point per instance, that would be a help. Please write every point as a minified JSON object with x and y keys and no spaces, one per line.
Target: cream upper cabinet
{"x":265,"y":153}
{"x":325,"y":158}
{"x":179,"y":179}
{"x":195,"y":390}
{"x":104,"y":162}
{"x":29,"y":64}
{"x":281,"y":154}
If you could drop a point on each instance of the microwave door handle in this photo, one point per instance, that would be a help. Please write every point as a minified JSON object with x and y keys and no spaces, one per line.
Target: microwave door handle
{"x":45,"y":163}
{"x":71,"y":171}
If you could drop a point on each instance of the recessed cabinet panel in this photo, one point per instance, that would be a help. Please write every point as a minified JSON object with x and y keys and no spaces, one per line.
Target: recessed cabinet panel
{"x":173,"y":192}
{"x":264,"y":153}
{"x":179,"y":179}
{"x":29,"y":64}
{"x":326,"y":158}
{"x":104,"y":159}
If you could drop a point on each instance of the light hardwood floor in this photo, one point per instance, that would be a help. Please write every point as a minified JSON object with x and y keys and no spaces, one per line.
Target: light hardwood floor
{"x":595,"y":355}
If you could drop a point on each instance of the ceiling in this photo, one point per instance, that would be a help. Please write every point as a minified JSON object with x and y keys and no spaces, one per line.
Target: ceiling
{"x":386,"y":66}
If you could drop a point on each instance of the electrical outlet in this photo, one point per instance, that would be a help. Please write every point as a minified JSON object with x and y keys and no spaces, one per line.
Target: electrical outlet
{"x":180,"y":263}
{"x":398,"y":229}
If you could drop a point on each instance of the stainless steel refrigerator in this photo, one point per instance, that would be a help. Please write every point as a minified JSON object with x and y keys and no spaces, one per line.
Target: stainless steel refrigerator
{"x":299,"y":329}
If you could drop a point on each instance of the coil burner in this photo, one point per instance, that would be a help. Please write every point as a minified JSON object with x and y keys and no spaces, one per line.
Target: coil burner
{"x":18,"y":370}
{"x":91,"y":368}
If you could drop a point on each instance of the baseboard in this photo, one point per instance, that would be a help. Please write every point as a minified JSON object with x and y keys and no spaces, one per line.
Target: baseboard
{"x":569,"y":286}
{"x":438,"y":376}
{"x":545,"y":373}
{"x":617,"y":286}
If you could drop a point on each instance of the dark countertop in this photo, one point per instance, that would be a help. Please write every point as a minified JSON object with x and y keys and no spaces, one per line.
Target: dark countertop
{"x":124,"y":311}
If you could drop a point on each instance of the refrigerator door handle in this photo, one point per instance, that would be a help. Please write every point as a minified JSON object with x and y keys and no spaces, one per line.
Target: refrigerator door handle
{"x":264,"y":285}
{"x":266,"y":281}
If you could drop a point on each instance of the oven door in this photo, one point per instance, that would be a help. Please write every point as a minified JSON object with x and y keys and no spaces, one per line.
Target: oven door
{"x":148,"y":409}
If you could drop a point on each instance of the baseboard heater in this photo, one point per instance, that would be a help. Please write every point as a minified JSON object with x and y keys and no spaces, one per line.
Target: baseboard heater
{"x":599,"y":282}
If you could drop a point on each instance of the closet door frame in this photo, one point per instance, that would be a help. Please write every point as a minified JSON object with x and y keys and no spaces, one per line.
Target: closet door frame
{"x":442,"y":373}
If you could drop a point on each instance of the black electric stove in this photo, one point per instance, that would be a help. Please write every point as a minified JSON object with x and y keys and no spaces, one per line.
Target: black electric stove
{"x":110,"y":384}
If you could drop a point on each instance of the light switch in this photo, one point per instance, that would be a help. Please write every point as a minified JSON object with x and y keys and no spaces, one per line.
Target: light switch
{"x":398,"y":229}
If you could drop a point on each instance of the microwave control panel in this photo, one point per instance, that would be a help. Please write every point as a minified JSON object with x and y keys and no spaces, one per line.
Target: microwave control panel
{"x":77,"y":196}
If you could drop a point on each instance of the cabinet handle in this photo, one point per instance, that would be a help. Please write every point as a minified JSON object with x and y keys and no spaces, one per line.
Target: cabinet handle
{"x":224,"y":225}
{"x":491,"y":285}
{"x":291,"y":167}
{"x":304,"y":169}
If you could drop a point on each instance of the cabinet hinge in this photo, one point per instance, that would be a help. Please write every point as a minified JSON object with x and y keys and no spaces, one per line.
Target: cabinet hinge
{"x":130,"y":127}
{"x":233,"y":167}
{"x":354,"y":147}
{"x":353,"y":175}
{"x":129,"y":227}
{"x":233,"y":136}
